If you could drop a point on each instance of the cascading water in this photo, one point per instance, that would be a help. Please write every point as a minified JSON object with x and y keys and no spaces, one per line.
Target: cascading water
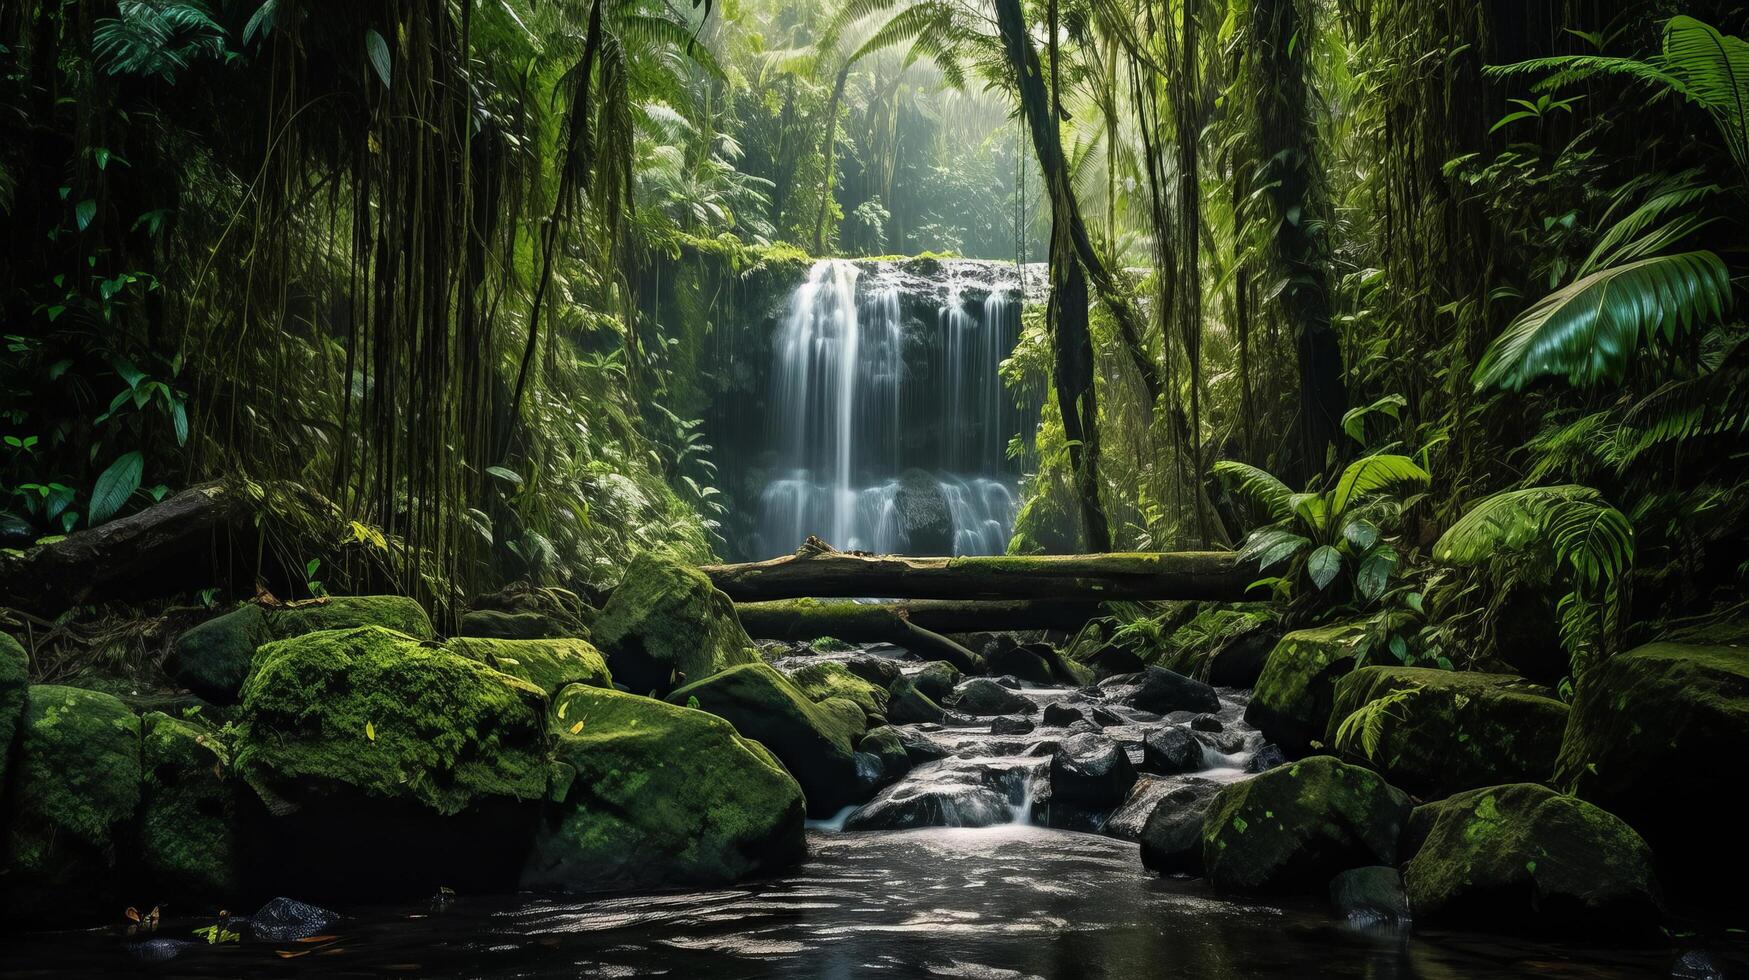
{"x":891,"y":429}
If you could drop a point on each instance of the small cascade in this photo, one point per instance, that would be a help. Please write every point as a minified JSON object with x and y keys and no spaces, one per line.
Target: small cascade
{"x":891,"y":429}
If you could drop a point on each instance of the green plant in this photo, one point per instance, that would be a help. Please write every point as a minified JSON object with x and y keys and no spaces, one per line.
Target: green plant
{"x":1367,"y":723}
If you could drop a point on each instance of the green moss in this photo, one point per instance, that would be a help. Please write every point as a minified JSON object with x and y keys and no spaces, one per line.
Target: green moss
{"x":661,"y":795}
{"x":188,"y":814}
{"x":1442,"y":731}
{"x":1291,"y":702}
{"x":666,"y":625}
{"x":375,"y":712}
{"x":1522,"y":857}
{"x":75,"y":790}
{"x":547,"y":664}
{"x":1225,"y":645}
{"x":14,"y":692}
{"x":1295,"y":826}
{"x":885,"y":744}
{"x":497,"y":624}
{"x":831,"y":679}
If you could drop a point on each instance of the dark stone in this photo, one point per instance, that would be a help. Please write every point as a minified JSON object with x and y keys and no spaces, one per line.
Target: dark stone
{"x":1172,"y":836}
{"x":1172,"y":750}
{"x":920,"y":748}
{"x":1011,"y":725}
{"x":888,"y":746}
{"x":1004,"y":656}
{"x":985,"y":698}
{"x":1058,"y":713}
{"x":1160,"y":691}
{"x":1267,"y":757}
{"x":1080,"y":727}
{"x":909,"y":805}
{"x":924,"y":521}
{"x":937,"y":679}
{"x":1112,"y":660}
{"x":1090,"y":770}
{"x":1107,"y":717}
{"x":493,"y":624}
{"x":879,"y":671}
{"x":1372,"y":895}
{"x":908,"y":705}
{"x":286,"y":920}
{"x":1207,"y":723}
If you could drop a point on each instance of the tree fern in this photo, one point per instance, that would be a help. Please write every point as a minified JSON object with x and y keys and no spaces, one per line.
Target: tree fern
{"x":156,"y":38}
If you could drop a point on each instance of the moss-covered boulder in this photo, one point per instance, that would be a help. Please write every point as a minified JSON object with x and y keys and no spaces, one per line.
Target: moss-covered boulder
{"x":908,"y":705}
{"x":656,"y":794}
{"x":547,"y":664}
{"x":831,"y":679}
{"x":1293,"y":827}
{"x":497,"y":624}
{"x":1291,"y":701}
{"x":14,"y":692}
{"x":1656,"y":737}
{"x":815,"y":745}
{"x":847,"y":716}
{"x":1525,"y":858}
{"x":1436,"y":732}
{"x":666,"y":625}
{"x":1226,"y":646}
{"x":74,"y":794}
{"x":188,"y":825}
{"x":937,"y":680}
{"x":375,"y":713}
{"x":213,"y":658}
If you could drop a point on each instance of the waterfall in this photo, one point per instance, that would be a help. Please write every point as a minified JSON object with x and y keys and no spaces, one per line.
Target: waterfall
{"x":843,"y":393}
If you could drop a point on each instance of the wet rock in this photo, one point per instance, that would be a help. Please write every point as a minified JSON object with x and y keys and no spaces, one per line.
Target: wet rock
{"x":920,"y":748}
{"x":1171,"y":838}
{"x":1011,"y":725}
{"x":213,"y":658}
{"x":1294,"y":827}
{"x":287,"y":920}
{"x":1172,"y":750}
{"x":1697,"y":964}
{"x":814,"y":743}
{"x":1659,"y":725}
{"x":1525,"y":858}
{"x":1004,"y":656}
{"x":908,"y":705}
{"x":1436,"y":732}
{"x":887,"y":746}
{"x":1160,"y":691}
{"x":1292,"y":699}
{"x":879,"y":671}
{"x":1207,"y":723}
{"x":850,"y":718}
{"x":659,"y":794}
{"x":667,"y":625}
{"x":550,"y":665}
{"x":910,"y":805}
{"x":1370,"y":896}
{"x":921,"y":512}
{"x":937,"y":679}
{"x":871,"y":774}
{"x":159,"y":949}
{"x":1081,"y":726}
{"x":1267,"y":757}
{"x":1112,"y":660}
{"x":829,"y":679}
{"x":1057,"y":713}
{"x":1107,"y":717}
{"x":985,"y":698}
{"x":1090,"y":771}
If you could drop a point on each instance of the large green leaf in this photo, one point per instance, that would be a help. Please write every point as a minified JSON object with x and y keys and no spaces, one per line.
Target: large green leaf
{"x":1323,"y":565}
{"x":1373,"y":474}
{"x":1257,"y":487}
{"x":1590,"y":330}
{"x":114,"y":486}
{"x":1714,"y":69}
{"x":1506,"y":523}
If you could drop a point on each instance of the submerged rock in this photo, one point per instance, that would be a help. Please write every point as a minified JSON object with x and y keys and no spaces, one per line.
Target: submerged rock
{"x":829,"y":679}
{"x":1171,"y":838}
{"x":666,"y":626}
{"x":1436,"y":732}
{"x":75,"y":788}
{"x":659,"y":794}
{"x":984,"y":698}
{"x":814,"y":744}
{"x":188,"y":822}
{"x":547,"y":664}
{"x":1291,"y":702}
{"x":1525,"y":858}
{"x":1370,"y":896}
{"x":1161,"y":691}
{"x":1656,"y":736}
{"x":213,"y":658}
{"x":287,"y":920}
{"x":1293,"y":828}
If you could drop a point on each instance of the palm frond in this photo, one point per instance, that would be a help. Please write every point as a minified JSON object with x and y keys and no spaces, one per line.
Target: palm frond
{"x":1256,"y":486}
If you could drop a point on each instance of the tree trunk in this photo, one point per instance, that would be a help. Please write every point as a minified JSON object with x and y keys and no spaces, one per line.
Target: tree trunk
{"x":846,"y":619}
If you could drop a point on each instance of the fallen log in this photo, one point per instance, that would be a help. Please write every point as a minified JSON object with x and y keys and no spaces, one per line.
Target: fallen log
{"x":819,"y":572}
{"x":801,"y":620}
{"x":807,"y":619}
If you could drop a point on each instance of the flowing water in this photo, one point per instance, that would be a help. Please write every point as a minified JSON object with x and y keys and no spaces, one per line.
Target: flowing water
{"x":891,"y":429}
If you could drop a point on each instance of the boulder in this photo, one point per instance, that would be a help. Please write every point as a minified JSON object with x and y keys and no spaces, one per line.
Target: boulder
{"x":497,"y":624}
{"x":1654,"y":737}
{"x":1436,"y":732}
{"x":1207,"y":723}
{"x":1111,"y":660}
{"x":888,"y":745}
{"x":879,"y":671}
{"x":1525,"y":858}
{"x":908,"y":705}
{"x":937,"y":679}
{"x":14,"y":692}
{"x":287,"y":920}
{"x":1370,"y":896}
{"x":1172,"y":750}
{"x":657,"y":795}
{"x":847,"y":715}
{"x":666,"y":626}
{"x":981,"y":697}
{"x":1058,"y":713}
{"x":919,"y":748}
{"x":1294,"y":827}
{"x":213,"y":658}
{"x":549,"y":664}
{"x":1004,"y":656}
{"x":1090,"y":771}
{"x":1161,"y":691}
{"x":911,"y":805}
{"x":188,"y":822}
{"x":831,"y":679}
{"x":75,"y":789}
{"x":1012,"y":725}
{"x":1224,"y":646}
{"x":816,"y":746}
{"x":1291,"y":702}
{"x":1171,"y":838}
{"x":1267,"y":757}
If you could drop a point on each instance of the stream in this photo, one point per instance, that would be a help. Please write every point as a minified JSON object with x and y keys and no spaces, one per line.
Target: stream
{"x":1008,"y":899}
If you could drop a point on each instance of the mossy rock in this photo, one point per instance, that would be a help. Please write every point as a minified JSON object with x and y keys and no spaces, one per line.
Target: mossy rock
{"x":1295,"y":826}
{"x":496,"y":624}
{"x":1655,"y":737}
{"x":548,"y":664}
{"x":74,"y":794}
{"x":373,"y":713}
{"x":1522,"y":857}
{"x":937,"y":680}
{"x":213,"y":658}
{"x":14,"y":693}
{"x":1225,"y":646}
{"x":666,"y":625}
{"x":1292,"y":699}
{"x":831,"y":679}
{"x":660,"y":795}
{"x":188,"y":815}
{"x":1437,"y":732}
{"x":815,"y":745}
{"x":848,"y":716}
